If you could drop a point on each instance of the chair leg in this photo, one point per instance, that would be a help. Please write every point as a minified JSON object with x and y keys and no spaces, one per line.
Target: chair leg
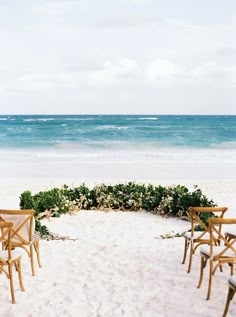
{"x":230,"y":296}
{"x":32,"y":260}
{"x":203,"y":265}
{"x":186,"y":245}
{"x":190,"y":261}
{"x":11,"y":283}
{"x":232,"y":268}
{"x":191,"y":251}
{"x":18,"y":269}
{"x":210,"y":280}
{"x":36,"y":248}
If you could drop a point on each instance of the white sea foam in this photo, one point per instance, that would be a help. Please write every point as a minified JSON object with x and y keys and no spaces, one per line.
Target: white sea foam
{"x":78,"y":119}
{"x":148,"y":118}
{"x":111,"y":127}
{"x":224,"y":145}
{"x":140,"y":118}
{"x":45,"y":119}
{"x":38,"y":119}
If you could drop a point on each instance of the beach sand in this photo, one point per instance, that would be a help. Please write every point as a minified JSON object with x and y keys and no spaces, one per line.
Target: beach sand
{"x":114,"y":263}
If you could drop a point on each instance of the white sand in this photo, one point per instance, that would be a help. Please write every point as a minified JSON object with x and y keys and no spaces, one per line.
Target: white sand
{"x":118,"y":266}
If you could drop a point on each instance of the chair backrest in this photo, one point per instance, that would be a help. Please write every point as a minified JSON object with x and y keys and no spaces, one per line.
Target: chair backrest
{"x":5,"y":237}
{"x":23,"y":224}
{"x":196,"y":215}
{"x":228,"y":247}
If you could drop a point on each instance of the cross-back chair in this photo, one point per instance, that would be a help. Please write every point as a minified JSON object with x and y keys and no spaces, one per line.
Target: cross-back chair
{"x":231,"y":292}
{"x":8,"y":258}
{"x":217,"y":255}
{"x":22,"y":234}
{"x":193,"y":238}
{"x":230,"y":233}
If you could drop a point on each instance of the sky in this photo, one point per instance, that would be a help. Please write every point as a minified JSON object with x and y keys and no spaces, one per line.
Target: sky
{"x":118,"y":57}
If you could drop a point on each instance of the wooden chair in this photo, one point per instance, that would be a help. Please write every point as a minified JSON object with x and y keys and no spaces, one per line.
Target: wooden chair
{"x":224,"y":252}
{"x":23,"y":232}
{"x":193,"y":239}
{"x":9,"y":258}
{"x":230,"y":233}
{"x":231,"y":292}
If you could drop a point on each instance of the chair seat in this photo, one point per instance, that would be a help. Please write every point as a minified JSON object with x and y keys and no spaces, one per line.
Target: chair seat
{"x":230,"y":232}
{"x":216,"y":251}
{"x":196,"y":234}
{"x":232,"y":281}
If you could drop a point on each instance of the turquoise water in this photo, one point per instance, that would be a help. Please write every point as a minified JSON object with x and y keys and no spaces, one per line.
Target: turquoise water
{"x":105,"y":147}
{"x":117,"y":131}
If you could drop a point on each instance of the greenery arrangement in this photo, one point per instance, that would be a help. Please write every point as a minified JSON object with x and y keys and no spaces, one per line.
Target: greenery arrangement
{"x":169,"y":201}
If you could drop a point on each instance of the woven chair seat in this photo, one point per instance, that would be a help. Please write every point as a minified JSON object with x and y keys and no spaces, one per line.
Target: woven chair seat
{"x":216,"y":251}
{"x":232,"y":281}
{"x":196,"y":235}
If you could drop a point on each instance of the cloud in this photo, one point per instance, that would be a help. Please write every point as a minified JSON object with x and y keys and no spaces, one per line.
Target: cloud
{"x":211,"y":72}
{"x":166,"y":73}
{"x":54,"y":7}
{"x":122,"y":49}
{"x":129,"y":21}
{"x":112,"y":72}
{"x":119,"y":72}
{"x":162,"y":72}
{"x":3,"y":10}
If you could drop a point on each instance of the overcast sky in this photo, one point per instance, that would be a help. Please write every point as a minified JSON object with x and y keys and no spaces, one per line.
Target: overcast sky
{"x":118,"y":56}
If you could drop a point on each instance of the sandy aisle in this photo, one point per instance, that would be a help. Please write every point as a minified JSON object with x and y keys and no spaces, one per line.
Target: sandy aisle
{"x":117,"y":267}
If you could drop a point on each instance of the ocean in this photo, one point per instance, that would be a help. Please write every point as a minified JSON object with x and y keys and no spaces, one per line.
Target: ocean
{"x":118,"y":146}
{"x":117,"y":131}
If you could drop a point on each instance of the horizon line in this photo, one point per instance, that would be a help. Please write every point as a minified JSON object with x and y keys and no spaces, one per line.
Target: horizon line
{"x":113,"y":114}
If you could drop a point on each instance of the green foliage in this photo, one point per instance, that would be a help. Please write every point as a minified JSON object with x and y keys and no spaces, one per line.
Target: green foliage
{"x":153,"y":196}
{"x":26,"y":200}
{"x":41,"y":229}
{"x":78,"y":197}
{"x":53,"y":200}
{"x":195,"y":199}
{"x":171,"y":200}
{"x":128,"y":196}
